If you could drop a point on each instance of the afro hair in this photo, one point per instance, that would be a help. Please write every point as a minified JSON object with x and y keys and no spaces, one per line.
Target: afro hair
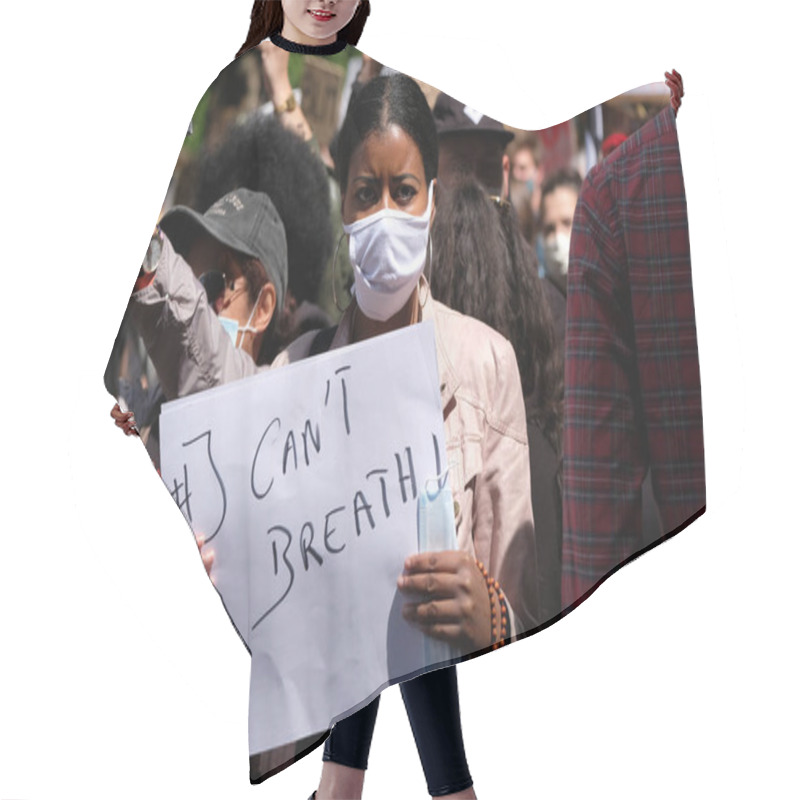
{"x":261,"y":155}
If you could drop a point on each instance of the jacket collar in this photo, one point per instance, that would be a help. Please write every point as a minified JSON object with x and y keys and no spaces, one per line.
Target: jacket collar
{"x":448,"y":378}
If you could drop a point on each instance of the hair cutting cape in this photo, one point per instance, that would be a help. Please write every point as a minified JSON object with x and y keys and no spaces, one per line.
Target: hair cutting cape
{"x":314,"y":482}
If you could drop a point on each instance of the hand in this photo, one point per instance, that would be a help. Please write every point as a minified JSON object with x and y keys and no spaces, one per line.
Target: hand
{"x":124,"y":420}
{"x":449,"y":598}
{"x":207,"y":554}
{"x":675,"y":83}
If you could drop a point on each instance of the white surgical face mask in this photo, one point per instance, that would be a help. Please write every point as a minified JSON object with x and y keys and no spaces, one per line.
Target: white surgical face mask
{"x":387,"y":251}
{"x":556,"y":255}
{"x":233,"y":328}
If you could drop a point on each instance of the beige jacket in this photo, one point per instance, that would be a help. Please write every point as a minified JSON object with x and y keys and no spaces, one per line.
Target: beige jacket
{"x":484,"y":412}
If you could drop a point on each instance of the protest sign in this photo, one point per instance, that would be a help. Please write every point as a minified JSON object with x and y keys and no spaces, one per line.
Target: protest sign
{"x":305,"y":479}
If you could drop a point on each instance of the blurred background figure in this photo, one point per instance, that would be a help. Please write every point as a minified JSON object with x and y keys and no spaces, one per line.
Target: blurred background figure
{"x":525,"y":161}
{"x":287,"y":105}
{"x":559,"y":198}
{"x":611,"y":143}
{"x":633,"y":410}
{"x":471,"y":144}
{"x":526,"y":181}
{"x":262,"y":155}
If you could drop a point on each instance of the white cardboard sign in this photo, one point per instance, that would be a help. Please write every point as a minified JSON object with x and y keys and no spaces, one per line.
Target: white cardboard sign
{"x":305,"y":481}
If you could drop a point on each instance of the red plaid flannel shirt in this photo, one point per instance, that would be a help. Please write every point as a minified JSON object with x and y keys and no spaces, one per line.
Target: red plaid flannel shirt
{"x":632,"y":380}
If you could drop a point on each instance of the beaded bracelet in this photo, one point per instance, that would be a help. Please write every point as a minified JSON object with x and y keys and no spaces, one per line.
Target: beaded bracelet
{"x":504,"y":619}
{"x":492,"y":586}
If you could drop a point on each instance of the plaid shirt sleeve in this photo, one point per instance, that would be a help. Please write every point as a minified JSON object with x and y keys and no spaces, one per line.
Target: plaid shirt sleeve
{"x":632,"y":380}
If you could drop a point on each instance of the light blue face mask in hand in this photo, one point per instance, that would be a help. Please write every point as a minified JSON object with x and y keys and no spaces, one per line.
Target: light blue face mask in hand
{"x":436,"y":530}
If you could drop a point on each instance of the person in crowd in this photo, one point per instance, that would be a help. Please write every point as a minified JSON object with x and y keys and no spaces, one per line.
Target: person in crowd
{"x":259,"y":154}
{"x":482,"y":267}
{"x":470,"y":143}
{"x":131,"y":376}
{"x":474,"y":144}
{"x":632,"y":384}
{"x":234,"y":256}
{"x":559,"y":197}
{"x":262,"y":155}
{"x":387,"y":158}
{"x":525,"y":161}
{"x":526,"y":181}
{"x":242,"y":237}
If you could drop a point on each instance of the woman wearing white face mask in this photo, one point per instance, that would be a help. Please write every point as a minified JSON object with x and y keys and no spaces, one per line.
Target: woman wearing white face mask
{"x":477,"y":595}
{"x":483,"y":592}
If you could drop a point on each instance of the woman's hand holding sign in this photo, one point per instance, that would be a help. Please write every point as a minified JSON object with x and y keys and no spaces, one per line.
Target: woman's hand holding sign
{"x":449,"y":599}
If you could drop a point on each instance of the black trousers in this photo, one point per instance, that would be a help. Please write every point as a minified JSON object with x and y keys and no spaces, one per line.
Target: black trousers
{"x":432,"y":706}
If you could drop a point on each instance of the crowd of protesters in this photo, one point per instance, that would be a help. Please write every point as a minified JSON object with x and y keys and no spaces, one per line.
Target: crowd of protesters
{"x":500,"y":252}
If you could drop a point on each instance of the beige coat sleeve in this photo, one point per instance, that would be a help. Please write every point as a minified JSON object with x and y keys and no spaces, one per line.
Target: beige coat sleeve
{"x":503,"y":517}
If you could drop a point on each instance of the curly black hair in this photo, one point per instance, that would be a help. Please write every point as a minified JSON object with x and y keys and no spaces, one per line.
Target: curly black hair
{"x":483,"y":267}
{"x":261,"y":155}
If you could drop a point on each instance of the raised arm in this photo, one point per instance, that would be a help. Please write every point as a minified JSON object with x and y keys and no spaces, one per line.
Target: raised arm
{"x":184,"y":339}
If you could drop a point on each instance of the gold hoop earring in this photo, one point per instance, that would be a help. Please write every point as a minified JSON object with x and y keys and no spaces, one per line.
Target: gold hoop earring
{"x":333,"y":274}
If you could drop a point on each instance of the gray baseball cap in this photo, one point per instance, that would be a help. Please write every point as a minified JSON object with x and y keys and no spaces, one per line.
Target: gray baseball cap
{"x":245,"y":221}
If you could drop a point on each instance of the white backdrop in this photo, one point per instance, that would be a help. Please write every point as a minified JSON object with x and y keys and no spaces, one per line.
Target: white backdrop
{"x":678,"y":678}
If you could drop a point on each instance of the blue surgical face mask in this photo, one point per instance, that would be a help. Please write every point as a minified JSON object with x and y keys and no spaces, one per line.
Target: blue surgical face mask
{"x":233,"y":329}
{"x":436,"y":516}
{"x":436,"y":531}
